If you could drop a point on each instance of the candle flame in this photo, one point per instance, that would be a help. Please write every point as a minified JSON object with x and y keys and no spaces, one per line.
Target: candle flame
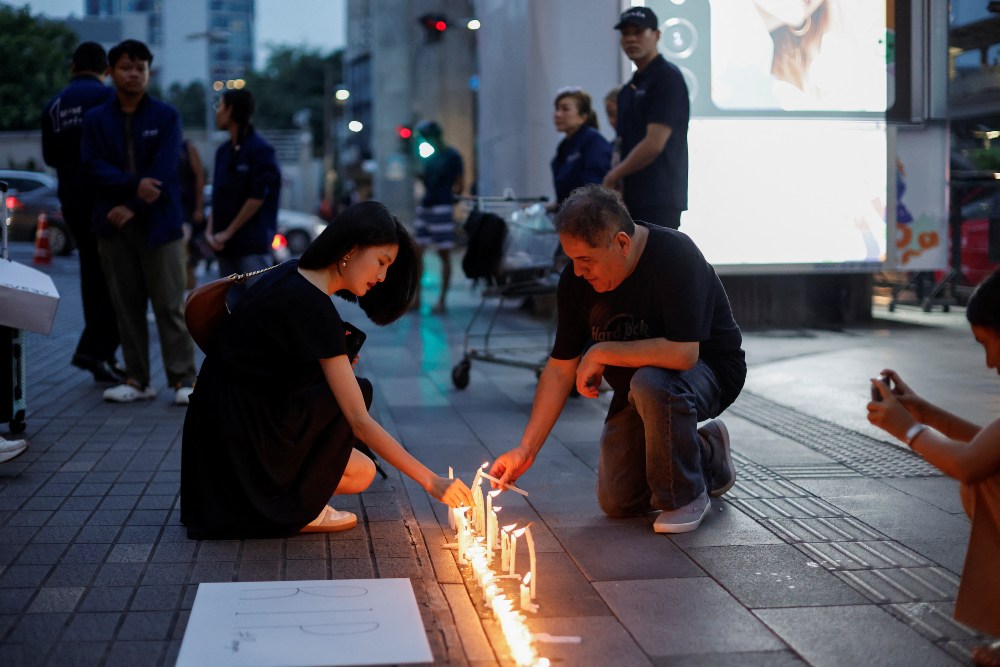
{"x":496,"y":493}
{"x":485,"y":463}
{"x":509,"y":528}
{"x":519,"y":533}
{"x":496,"y":508}
{"x":527,"y":579}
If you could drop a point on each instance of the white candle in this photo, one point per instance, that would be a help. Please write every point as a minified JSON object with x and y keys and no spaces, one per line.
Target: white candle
{"x":526,"y":604}
{"x":531,"y":559}
{"x":513,"y":550}
{"x":505,"y":547}
{"x":490,"y":523}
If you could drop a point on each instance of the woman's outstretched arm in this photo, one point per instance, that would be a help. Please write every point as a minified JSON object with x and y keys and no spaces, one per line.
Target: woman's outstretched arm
{"x":340,"y":377}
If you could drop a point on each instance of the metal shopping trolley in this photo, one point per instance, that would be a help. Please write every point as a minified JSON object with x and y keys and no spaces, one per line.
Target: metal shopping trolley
{"x":519,"y":250}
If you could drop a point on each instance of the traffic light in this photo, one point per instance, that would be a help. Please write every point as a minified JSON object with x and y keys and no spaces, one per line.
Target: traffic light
{"x":405,"y":135}
{"x":434,"y":26}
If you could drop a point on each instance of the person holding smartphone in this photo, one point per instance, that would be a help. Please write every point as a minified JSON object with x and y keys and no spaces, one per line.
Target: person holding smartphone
{"x":967,"y":452}
{"x":277,"y":417}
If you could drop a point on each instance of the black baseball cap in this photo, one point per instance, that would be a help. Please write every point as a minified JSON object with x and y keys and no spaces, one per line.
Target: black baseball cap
{"x":640,"y":16}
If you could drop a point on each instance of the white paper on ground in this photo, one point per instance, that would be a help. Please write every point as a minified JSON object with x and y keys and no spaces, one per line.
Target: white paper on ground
{"x":304,"y":624}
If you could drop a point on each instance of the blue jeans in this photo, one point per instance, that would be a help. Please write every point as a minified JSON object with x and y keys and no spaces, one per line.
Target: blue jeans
{"x":651,"y":453}
{"x":242,"y":264}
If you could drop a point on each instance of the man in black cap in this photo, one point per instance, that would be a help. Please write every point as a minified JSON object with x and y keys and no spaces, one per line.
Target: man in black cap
{"x":653,"y":115}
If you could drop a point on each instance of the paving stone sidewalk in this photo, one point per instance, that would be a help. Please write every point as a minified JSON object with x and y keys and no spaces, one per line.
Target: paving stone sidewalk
{"x":835,"y":546}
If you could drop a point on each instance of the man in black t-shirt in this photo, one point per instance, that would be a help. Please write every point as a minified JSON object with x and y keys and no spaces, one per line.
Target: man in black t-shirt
{"x":653,"y":114}
{"x":671,"y":353}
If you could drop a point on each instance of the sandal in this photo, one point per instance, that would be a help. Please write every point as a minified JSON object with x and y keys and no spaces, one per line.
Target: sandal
{"x":331,"y":521}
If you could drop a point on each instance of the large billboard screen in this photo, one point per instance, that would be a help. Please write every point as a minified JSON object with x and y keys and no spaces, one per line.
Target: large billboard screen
{"x":787,"y":141}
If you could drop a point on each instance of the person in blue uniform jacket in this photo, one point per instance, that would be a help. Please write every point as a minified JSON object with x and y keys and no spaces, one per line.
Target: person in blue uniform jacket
{"x":245,"y":189}
{"x":130,"y":150}
{"x":584,"y":156}
{"x":62,"y":130}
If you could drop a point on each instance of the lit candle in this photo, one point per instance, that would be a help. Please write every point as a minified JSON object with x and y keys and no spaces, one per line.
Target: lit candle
{"x":463,"y":532}
{"x":490,"y":522}
{"x":526,"y":603}
{"x":505,"y":546}
{"x":531,"y":559}
{"x":451,"y":514}
{"x":477,"y":506}
{"x":513,"y":550}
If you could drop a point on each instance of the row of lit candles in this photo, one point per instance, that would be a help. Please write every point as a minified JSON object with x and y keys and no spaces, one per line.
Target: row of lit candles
{"x":477,"y":538}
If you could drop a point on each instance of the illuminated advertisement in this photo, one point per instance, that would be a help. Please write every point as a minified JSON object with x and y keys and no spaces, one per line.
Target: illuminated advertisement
{"x":787,"y":140}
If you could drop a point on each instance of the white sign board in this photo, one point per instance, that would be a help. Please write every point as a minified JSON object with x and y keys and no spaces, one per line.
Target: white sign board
{"x":304,"y":624}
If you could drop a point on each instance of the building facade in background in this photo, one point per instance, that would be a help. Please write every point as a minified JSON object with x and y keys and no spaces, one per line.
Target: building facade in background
{"x":192,"y":40}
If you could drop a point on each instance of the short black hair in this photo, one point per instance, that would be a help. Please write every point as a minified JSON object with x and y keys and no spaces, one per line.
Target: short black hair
{"x":594,"y":214}
{"x":90,"y":57}
{"x":132,"y":48}
{"x":364,"y":225}
{"x":983,"y":308}
{"x":241,"y":105}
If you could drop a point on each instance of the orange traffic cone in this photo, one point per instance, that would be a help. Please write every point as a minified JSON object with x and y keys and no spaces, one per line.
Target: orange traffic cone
{"x":43,"y":255}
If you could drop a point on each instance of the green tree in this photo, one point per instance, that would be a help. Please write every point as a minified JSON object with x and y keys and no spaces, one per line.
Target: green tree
{"x":36,"y":54}
{"x":190,"y":102}
{"x":292,"y":80}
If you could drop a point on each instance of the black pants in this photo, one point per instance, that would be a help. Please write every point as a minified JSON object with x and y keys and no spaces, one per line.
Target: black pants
{"x":100,"y":326}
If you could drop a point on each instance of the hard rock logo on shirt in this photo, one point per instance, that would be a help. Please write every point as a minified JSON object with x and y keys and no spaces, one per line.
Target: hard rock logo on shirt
{"x":619,"y":327}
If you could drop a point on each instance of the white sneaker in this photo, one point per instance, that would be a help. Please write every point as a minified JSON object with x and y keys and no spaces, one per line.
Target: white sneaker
{"x":183,"y":395}
{"x":10,"y":449}
{"x":683,"y":519}
{"x":127,"y":393}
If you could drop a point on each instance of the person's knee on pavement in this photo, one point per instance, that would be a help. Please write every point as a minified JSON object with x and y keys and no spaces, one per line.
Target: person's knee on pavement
{"x":358,"y":476}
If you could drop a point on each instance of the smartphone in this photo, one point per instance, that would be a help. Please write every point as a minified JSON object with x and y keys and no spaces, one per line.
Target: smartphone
{"x":355,"y":338}
{"x":876,"y":396}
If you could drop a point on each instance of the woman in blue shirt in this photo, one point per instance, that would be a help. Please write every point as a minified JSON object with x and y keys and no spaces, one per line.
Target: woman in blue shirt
{"x":584,"y":156}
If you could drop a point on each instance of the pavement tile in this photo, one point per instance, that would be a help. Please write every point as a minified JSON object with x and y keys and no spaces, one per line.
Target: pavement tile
{"x":213,"y":571}
{"x":118,"y":502}
{"x":713,"y":622}
{"x":349,"y":549}
{"x":139,"y":534}
{"x":773,"y":575}
{"x":155,"y":502}
{"x":41,"y":554}
{"x":23,"y":576}
{"x":741,"y":659}
{"x":98,"y":534}
{"x":93,"y":626}
{"x":392,"y":549}
{"x":38,"y":629}
{"x":306,"y":570}
{"x":299,"y":549}
{"x":132,"y":653}
{"x":51,"y":599}
{"x":172,"y":552}
{"x":22,"y":655}
{"x":389,"y":567}
{"x":15,"y":600}
{"x":166,"y":573}
{"x":852,"y":635}
{"x":27,"y":517}
{"x":81,"y":503}
{"x":119,"y":574}
{"x":260,"y":570}
{"x":129,"y":553}
{"x":603,"y":641}
{"x":78,"y":654}
{"x":630,"y":550}
{"x":257,"y":549}
{"x":107,"y":598}
{"x":72,"y":574}
{"x":217,"y":550}
{"x":156,"y":598}
{"x":562,"y":588}
{"x":351,"y":568}
{"x":145,"y":625}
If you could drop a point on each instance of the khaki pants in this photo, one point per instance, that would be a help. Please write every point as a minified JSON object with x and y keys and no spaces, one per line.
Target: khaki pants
{"x":138,"y":274}
{"x":978,"y":604}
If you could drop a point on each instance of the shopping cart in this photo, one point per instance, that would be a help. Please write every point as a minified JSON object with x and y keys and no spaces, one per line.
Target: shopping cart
{"x":526,"y":268}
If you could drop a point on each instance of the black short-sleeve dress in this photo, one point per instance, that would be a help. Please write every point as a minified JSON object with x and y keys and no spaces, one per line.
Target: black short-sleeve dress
{"x":265,"y":443}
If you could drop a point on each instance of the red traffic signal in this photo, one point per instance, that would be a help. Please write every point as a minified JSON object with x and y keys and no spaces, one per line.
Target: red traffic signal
{"x":404,"y":132}
{"x":434,"y":25}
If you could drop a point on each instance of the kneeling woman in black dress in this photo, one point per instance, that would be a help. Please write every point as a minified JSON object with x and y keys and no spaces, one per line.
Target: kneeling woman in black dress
{"x":277,"y":410}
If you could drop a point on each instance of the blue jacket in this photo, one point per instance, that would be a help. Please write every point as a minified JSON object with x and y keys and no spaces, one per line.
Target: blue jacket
{"x":62,"y":129}
{"x":580,"y":159}
{"x":156,"y":132}
{"x":248,"y":172}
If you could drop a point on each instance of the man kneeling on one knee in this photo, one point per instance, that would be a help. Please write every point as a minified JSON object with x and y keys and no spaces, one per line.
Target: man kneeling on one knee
{"x":641,"y":307}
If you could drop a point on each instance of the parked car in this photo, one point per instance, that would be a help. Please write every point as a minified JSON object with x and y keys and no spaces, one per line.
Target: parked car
{"x":296,"y":230}
{"x":31,"y":193}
